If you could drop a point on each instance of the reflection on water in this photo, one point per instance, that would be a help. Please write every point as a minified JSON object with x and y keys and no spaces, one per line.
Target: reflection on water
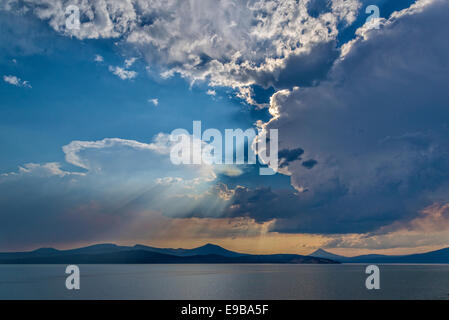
{"x":224,"y":281}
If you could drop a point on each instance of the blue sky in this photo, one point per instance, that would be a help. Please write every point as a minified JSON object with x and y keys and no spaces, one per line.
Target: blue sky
{"x":73,"y":97}
{"x":360,"y":111}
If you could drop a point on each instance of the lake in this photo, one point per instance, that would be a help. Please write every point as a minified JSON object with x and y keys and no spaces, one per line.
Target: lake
{"x":224,"y":281}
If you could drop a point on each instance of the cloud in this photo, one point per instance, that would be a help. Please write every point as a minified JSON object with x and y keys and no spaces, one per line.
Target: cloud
{"x":107,"y":188}
{"x":286,"y":156}
{"x":129,"y":62}
{"x":48,"y":169}
{"x":429,"y":229}
{"x":309,"y":164}
{"x":211,"y":92}
{"x":154,"y":101}
{"x":123,"y":73}
{"x":226,"y":43}
{"x":98,"y":58}
{"x":375,"y":130}
{"x":15,"y":81}
{"x":73,"y":149}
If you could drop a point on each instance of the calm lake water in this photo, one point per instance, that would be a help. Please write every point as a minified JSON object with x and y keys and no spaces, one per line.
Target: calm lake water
{"x":224,"y":281}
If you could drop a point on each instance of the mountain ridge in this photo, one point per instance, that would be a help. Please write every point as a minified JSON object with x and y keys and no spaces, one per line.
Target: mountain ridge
{"x":112,"y":253}
{"x":208,"y":253}
{"x":436,"y":256}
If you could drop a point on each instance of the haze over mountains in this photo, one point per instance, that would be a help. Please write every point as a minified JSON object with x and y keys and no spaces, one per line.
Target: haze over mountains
{"x":438,"y":256}
{"x":114,"y":254}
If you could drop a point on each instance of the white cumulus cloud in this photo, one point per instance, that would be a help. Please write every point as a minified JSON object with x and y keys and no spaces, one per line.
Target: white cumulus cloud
{"x":16,"y":81}
{"x":154,"y":101}
{"x":123,"y":73}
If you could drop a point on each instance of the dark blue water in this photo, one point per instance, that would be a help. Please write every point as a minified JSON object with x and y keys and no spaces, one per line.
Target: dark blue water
{"x":224,"y":282}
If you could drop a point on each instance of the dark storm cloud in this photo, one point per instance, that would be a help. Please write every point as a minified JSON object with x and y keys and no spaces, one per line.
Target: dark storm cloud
{"x":309,"y":164}
{"x":286,"y":156}
{"x":378,"y":127}
{"x":305,"y":69}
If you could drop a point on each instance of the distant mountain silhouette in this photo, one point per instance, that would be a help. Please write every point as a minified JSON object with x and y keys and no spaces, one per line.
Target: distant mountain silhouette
{"x":438,"y":256}
{"x":320,"y":253}
{"x":111,"y":253}
{"x":212,"y":249}
{"x":209,"y":253}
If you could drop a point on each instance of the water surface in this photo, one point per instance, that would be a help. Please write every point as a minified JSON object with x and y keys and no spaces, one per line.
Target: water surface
{"x":224,"y":281}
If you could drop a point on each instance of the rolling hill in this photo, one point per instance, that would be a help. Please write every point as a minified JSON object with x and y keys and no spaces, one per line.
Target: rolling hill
{"x":438,"y":256}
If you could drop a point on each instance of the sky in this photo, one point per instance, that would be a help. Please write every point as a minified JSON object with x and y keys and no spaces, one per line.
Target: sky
{"x":360,"y":104}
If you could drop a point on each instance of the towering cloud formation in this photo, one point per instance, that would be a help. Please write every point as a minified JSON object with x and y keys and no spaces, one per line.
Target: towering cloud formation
{"x":377,"y":128}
